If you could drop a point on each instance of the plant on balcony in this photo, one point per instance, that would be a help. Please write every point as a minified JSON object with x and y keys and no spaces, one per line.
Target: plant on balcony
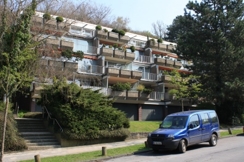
{"x":110,"y":46}
{"x":79,"y":54}
{"x":160,"y":40}
{"x":47,"y":16}
{"x":147,"y":90}
{"x":59,"y":19}
{"x":121,"y":86}
{"x":105,"y":30}
{"x":132,"y":48}
{"x":153,"y":41}
{"x":115,"y":30}
{"x":140,"y":87}
{"x":115,"y":46}
{"x":121,"y":32}
{"x":67,"y":53}
{"x":98,"y":27}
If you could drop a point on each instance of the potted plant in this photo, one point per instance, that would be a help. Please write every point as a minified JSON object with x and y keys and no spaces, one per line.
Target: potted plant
{"x":132,"y":48}
{"x":59,"y":19}
{"x":140,"y":87}
{"x":47,"y":16}
{"x":119,"y":89}
{"x":121,"y":32}
{"x":160,"y":40}
{"x":115,"y":46}
{"x":105,"y":30}
{"x":115,"y":30}
{"x":79,"y":54}
{"x":98,"y":27}
{"x":67,"y":53}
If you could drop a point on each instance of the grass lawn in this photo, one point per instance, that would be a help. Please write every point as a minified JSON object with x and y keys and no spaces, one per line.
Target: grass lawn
{"x":144,"y":126}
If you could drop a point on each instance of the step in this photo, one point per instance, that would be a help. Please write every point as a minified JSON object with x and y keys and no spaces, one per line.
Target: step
{"x":39,"y":137}
{"x":42,"y":144}
{"x":43,"y":147}
{"x":34,"y":133}
{"x":40,"y":140}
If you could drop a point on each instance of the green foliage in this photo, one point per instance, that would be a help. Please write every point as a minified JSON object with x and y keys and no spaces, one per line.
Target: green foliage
{"x":98,"y":27}
{"x":212,"y":37}
{"x":105,"y":30}
{"x":79,"y":54}
{"x":147,"y":90}
{"x":140,"y":87}
{"x":121,"y":32}
{"x":83,"y":113}
{"x":13,"y":142}
{"x":115,"y":30}
{"x":115,"y":46}
{"x":59,"y":19}
{"x":67,"y":53}
{"x":160,"y":40}
{"x":121,"y":86}
{"x":132,"y":48}
{"x":47,"y":16}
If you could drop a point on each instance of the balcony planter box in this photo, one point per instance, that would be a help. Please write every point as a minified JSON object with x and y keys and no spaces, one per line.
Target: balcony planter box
{"x":101,"y":34}
{"x":130,"y":56}
{"x":124,"y":39}
{"x":56,"y":63}
{"x":132,"y":94}
{"x":160,"y":61}
{"x":113,"y":36}
{"x":107,"y":52}
{"x":53,"y":41}
{"x":67,"y":44}
{"x":125,"y":73}
{"x":162,"y":46}
{"x":178,"y":64}
{"x":119,"y":54}
{"x":136,"y":74}
{"x":73,"y":66}
{"x":118,"y":94}
{"x":169,"y":62}
{"x":112,"y":71}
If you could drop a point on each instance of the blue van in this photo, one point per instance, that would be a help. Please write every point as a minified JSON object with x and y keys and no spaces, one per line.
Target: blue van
{"x":182,"y":129}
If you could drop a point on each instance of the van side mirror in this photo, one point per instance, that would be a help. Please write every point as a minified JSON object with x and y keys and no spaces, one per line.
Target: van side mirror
{"x":190,"y":126}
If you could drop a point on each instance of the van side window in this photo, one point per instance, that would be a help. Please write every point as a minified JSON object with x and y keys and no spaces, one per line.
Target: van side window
{"x":194,"y":121}
{"x":205,"y":118}
{"x":213,"y":117}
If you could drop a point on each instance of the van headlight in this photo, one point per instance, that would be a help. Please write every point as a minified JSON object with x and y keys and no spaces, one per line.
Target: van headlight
{"x":170,"y":136}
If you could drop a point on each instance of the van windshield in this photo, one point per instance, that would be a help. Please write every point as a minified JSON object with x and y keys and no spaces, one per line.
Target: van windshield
{"x":174,"y":122}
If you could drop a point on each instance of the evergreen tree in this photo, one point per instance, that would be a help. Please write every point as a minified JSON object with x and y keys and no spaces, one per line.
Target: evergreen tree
{"x":211,"y":34}
{"x":17,"y":54}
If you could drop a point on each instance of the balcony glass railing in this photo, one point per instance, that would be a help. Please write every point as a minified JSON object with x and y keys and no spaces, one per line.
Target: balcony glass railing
{"x":143,"y":59}
{"x":149,"y":76}
{"x":156,"y":96}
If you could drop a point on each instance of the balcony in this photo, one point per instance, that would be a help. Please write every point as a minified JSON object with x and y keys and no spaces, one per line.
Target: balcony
{"x":132,"y":94}
{"x":101,"y":34}
{"x":162,"y":47}
{"x":113,"y":71}
{"x":113,"y":36}
{"x":71,"y":66}
{"x":160,"y":61}
{"x":168,"y":97}
{"x":67,"y":44}
{"x":143,"y":59}
{"x":56,"y":63}
{"x":102,"y":90}
{"x":124,"y":39}
{"x":55,"y":42}
{"x":125,"y":73}
{"x":136,"y":74}
{"x":157,"y":96}
{"x":149,"y":76}
{"x":167,"y":78}
{"x":178,"y":64}
{"x":143,"y":96}
{"x":107,"y":52}
{"x":130,"y":56}
{"x":89,"y":49}
{"x":119,"y":54}
{"x":92,"y":69}
{"x":118,"y":94}
{"x":170,"y":62}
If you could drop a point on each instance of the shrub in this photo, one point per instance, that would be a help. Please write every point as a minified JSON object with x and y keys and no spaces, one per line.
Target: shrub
{"x":79,"y":54}
{"x":160,"y":40}
{"x":140,"y":87}
{"x":105,"y":30}
{"x":98,"y":27}
{"x":115,"y":46}
{"x":13,"y":142}
{"x":59,"y":19}
{"x":83,"y":113}
{"x":132,"y":48}
{"x":152,"y":40}
{"x":121,"y":32}
{"x":47,"y":16}
{"x":121,"y":86}
{"x":147,"y":90}
{"x":115,"y":30}
{"x":67,"y":53}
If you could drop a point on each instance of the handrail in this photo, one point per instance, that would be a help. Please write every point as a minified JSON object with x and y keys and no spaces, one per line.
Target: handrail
{"x":49,"y":116}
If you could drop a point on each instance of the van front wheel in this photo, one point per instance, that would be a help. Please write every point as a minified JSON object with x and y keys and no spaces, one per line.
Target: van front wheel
{"x":213,"y":140}
{"x":182,"y":146}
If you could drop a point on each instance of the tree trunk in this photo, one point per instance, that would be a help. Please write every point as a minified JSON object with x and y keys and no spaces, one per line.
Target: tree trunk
{"x":182,"y":105}
{"x":4,"y":126}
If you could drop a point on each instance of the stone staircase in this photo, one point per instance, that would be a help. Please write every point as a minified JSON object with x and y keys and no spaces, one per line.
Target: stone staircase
{"x":35,"y":134}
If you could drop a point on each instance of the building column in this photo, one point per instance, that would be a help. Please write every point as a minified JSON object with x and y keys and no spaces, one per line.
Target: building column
{"x":165,"y":109}
{"x":139,"y":112}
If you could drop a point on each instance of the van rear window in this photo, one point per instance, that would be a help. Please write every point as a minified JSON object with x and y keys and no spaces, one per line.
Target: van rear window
{"x":213,"y":117}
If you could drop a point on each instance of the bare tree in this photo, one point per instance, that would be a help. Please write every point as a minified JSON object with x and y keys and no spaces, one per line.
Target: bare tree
{"x":159,"y":29}
{"x":120,"y":23}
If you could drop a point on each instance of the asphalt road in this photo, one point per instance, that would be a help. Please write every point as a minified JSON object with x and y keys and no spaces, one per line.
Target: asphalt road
{"x":229,"y":149}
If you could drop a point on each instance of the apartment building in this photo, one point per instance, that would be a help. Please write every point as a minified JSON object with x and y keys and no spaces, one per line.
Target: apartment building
{"x":108,"y":60}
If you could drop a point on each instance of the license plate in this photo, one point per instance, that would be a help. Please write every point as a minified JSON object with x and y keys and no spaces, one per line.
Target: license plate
{"x":157,"y":143}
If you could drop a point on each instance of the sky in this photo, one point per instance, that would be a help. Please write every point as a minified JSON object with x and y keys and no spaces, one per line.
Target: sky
{"x":142,"y":13}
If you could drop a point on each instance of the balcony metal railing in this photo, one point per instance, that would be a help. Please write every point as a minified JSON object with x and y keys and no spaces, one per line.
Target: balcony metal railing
{"x":149,"y":76}
{"x":92,"y":69}
{"x":156,"y":96}
{"x":143,"y":59}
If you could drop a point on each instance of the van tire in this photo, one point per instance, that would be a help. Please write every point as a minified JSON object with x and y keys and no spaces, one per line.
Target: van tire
{"x":182,"y":146}
{"x":213,"y":140}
